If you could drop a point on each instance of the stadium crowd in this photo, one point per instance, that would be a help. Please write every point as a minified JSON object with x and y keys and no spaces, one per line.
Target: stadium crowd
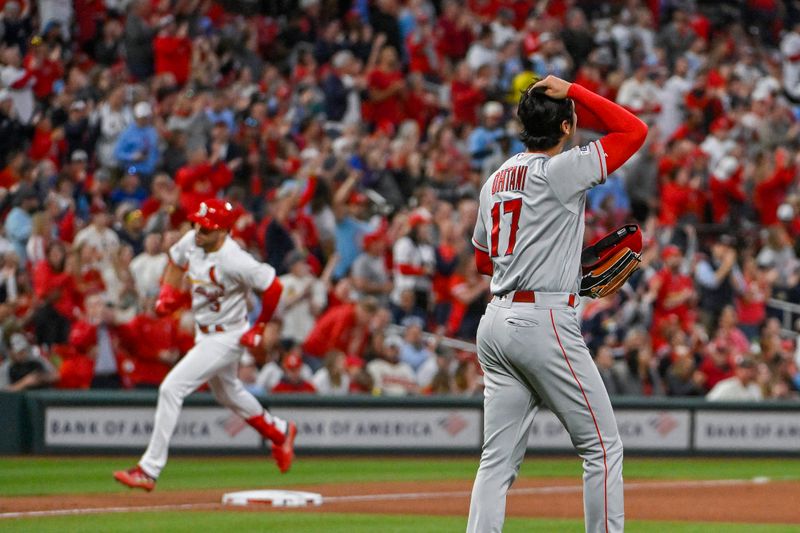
{"x":353,"y":139}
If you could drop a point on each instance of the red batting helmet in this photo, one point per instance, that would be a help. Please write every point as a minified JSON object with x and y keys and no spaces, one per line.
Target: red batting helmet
{"x":214,"y":214}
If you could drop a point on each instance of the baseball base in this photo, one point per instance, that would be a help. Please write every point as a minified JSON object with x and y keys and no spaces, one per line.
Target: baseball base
{"x":275,"y":498}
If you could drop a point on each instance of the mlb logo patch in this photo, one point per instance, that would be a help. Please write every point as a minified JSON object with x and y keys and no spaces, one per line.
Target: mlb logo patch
{"x":585,"y":150}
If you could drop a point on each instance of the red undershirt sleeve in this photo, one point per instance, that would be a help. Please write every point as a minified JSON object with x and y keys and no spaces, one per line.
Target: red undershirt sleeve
{"x":626,"y":133}
{"x":483,"y":262}
{"x":269,"y":301}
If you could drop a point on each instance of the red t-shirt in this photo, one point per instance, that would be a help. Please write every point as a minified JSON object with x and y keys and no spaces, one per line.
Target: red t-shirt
{"x":487,"y":9}
{"x":671,"y":284}
{"x":452,"y":42}
{"x":47,"y":73}
{"x":8,"y":178}
{"x":751,"y":307}
{"x":47,"y":281}
{"x":678,"y":200}
{"x":465,"y":99}
{"x":144,"y":337}
{"x":714,"y":374}
{"x":388,"y":110}
{"x":336,"y":329}
{"x":201,"y":182}
{"x":723,"y":192}
{"x":173,"y":54}
{"x":769,"y":194}
{"x":43,"y":146}
{"x":285,"y":386}
{"x":417,"y":51}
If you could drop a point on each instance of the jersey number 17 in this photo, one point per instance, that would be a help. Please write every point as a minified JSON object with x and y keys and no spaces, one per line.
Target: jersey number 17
{"x":512,"y":207}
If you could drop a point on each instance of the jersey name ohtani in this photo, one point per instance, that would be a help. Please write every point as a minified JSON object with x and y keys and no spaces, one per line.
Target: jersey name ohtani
{"x":510,"y":179}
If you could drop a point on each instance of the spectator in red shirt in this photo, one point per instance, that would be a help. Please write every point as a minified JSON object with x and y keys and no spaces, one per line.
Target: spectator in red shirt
{"x":12,"y":173}
{"x":387,"y":87}
{"x":344,"y":328}
{"x":422,"y":56}
{"x":682,"y":197}
{"x":292,"y":380}
{"x":717,"y":364}
{"x":726,"y":188}
{"x":751,"y":304}
{"x":48,"y":142}
{"x":46,"y":67}
{"x":770,"y":192}
{"x":55,"y":289}
{"x":421,"y":104}
{"x":453,"y":31}
{"x":153,"y":345}
{"x":172,"y":50}
{"x":673,"y":295}
{"x":466,"y":94}
{"x":202,"y":178}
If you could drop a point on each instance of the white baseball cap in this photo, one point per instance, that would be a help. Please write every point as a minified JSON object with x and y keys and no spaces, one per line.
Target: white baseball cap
{"x":18,"y":342}
{"x":492,"y":108}
{"x":785,"y":212}
{"x":142,"y":110}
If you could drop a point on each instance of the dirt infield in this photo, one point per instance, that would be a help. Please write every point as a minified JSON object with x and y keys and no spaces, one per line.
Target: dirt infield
{"x":724,"y":500}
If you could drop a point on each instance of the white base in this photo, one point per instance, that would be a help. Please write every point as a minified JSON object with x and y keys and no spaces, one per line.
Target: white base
{"x":275,"y":498}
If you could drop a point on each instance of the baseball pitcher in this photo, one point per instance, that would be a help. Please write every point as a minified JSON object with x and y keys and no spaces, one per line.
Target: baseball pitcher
{"x":221,"y":274}
{"x":528,"y":237}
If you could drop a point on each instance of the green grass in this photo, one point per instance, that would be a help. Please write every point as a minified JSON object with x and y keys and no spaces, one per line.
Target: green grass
{"x":178,"y":522}
{"x":30,"y":476}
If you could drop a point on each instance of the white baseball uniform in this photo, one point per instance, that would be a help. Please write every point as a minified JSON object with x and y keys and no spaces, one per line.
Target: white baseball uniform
{"x":220,"y":283}
{"x":531,"y":223}
{"x":406,"y":252}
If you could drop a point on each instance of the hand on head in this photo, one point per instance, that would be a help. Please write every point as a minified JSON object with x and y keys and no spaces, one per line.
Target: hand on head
{"x":552,"y":87}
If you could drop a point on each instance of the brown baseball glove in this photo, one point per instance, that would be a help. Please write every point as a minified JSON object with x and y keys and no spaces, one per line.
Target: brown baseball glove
{"x":608,"y":263}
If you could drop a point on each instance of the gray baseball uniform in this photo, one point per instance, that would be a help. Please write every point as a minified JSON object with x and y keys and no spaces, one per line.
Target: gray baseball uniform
{"x":531,"y":223}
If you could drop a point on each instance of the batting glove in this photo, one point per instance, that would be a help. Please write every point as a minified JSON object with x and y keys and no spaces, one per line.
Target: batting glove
{"x":252,"y":337}
{"x":170,"y":299}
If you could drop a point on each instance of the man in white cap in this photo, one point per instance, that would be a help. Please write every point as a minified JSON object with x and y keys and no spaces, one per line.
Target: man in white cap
{"x":342,"y":91}
{"x":19,"y":83}
{"x":24,"y":368}
{"x":137,"y":146}
{"x":482,"y":139}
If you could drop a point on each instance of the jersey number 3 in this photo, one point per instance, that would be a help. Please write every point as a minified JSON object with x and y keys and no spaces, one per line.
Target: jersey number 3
{"x":513,"y":207}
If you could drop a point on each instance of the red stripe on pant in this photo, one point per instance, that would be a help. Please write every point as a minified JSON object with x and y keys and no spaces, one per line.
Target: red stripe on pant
{"x":591,"y":412}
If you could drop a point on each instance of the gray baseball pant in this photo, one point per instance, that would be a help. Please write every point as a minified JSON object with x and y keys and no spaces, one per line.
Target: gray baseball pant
{"x":533,"y":354}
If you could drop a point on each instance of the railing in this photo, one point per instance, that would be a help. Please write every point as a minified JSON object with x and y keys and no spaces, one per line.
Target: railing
{"x":791,"y":312}
{"x":448,"y":342}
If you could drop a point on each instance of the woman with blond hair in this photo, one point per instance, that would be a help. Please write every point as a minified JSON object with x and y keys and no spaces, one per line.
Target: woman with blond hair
{"x":41,"y":235}
{"x":332,"y":379}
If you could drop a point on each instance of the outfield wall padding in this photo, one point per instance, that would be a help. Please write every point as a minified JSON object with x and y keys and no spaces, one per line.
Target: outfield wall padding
{"x":121,"y":422}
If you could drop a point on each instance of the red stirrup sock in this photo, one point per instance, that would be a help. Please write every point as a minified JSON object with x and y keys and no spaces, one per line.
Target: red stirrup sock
{"x":268,"y":426}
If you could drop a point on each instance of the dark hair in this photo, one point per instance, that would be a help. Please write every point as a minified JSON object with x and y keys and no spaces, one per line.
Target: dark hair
{"x":541,"y":118}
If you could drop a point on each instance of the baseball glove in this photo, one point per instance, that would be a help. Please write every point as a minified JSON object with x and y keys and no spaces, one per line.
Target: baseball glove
{"x":608,"y":263}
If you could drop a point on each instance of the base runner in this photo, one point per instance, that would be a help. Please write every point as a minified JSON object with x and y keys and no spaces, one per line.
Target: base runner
{"x":221,"y":275}
{"x":528,"y":237}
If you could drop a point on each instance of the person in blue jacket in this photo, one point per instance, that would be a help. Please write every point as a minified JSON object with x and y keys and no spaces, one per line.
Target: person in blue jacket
{"x":137,"y":146}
